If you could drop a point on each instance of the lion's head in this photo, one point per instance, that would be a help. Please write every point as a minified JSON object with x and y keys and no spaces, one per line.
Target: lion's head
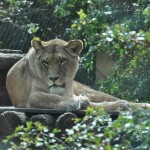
{"x":55,"y":62}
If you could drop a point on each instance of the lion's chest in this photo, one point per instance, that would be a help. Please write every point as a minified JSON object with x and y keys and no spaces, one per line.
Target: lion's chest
{"x":57,"y":90}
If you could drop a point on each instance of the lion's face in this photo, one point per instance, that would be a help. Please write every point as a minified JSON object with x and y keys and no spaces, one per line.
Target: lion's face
{"x":56,"y":62}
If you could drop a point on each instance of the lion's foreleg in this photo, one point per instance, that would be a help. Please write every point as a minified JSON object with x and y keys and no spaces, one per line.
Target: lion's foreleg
{"x":53,"y":101}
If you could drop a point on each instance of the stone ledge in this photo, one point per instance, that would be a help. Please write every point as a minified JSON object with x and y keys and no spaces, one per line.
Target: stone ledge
{"x":4,"y":97}
{"x":7,"y":60}
{"x":6,"y":51}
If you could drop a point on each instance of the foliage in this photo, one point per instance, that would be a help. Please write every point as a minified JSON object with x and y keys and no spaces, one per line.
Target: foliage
{"x":33,"y":135}
{"x":131,"y":130}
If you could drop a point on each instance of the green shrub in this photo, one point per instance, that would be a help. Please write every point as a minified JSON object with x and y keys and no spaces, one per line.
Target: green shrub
{"x":95,"y":131}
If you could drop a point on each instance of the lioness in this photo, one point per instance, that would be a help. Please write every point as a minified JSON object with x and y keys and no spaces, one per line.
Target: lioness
{"x":44,"y":78}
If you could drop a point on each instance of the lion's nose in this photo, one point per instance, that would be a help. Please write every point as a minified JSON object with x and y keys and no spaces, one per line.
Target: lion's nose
{"x":54,"y":79}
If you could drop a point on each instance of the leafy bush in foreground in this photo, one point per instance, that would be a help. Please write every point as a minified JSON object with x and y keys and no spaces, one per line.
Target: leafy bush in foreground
{"x":96,"y":131}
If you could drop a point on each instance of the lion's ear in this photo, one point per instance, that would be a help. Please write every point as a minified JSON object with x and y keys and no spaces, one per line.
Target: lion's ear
{"x":74,"y":47}
{"x":36,"y":43}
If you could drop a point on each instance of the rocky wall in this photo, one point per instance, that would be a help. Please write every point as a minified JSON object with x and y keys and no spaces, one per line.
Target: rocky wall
{"x":7,"y":59}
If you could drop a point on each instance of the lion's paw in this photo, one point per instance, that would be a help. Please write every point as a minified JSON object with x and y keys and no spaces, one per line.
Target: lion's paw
{"x":145,"y":105}
{"x":71,"y":106}
{"x":84,"y":101}
{"x":116,"y":106}
{"x":122,"y":105}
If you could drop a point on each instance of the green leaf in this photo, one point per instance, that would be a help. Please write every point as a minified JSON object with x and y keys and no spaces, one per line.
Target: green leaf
{"x":147,"y":36}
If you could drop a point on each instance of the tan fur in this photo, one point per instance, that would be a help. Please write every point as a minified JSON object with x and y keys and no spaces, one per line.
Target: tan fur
{"x":44,"y":78}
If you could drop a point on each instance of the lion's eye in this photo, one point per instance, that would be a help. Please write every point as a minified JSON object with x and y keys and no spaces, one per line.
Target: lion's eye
{"x":45,"y":63}
{"x":63,"y":60}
